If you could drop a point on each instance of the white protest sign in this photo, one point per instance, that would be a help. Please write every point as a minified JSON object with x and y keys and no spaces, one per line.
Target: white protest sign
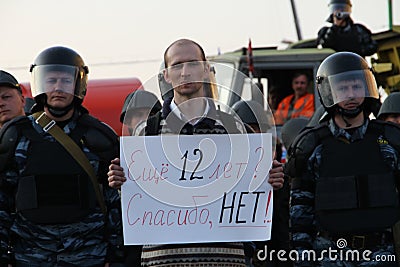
{"x":196,"y":188}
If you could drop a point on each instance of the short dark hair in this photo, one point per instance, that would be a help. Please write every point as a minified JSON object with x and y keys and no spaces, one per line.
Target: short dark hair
{"x":301,"y":73}
{"x":181,"y":42}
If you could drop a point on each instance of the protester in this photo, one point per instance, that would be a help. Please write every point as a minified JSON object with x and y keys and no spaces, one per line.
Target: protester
{"x":189,"y":112}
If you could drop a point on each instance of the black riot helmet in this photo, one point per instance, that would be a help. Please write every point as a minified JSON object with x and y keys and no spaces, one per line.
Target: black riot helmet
{"x":252,"y":112}
{"x":391,"y":105}
{"x":291,"y":129}
{"x":60,"y":60}
{"x":140,"y":99}
{"x":339,"y":5}
{"x":339,"y":8}
{"x":346,"y":75}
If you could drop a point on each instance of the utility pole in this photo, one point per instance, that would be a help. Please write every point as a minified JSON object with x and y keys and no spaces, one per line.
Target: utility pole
{"x":296,"y":21}
{"x":390,"y":14}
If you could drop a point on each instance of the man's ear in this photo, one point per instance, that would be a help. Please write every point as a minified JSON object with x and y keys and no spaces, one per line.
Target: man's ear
{"x":206,"y":70}
{"x":166,"y":76}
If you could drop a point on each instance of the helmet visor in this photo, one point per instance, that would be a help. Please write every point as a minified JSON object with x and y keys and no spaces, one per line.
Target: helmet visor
{"x":49,"y":78}
{"x":348,"y":85}
{"x":339,"y":7}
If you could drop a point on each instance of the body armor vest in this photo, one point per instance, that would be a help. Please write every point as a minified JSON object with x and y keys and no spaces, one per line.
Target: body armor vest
{"x":349,"y":39}
{"x":356,"y":190}
{"x":53,"y":188}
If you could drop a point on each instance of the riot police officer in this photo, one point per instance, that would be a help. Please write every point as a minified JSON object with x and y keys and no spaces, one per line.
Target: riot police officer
{"x":56,"y":207}
{"x":344,"y":34}
{"x":345,"y":171}
{"x":12,"y":101}
{"x":138,"y":106}
{"x":390,"y":109}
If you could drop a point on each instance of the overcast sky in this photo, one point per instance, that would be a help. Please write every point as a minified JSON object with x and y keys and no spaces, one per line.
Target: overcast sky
{"x":124,"y":38}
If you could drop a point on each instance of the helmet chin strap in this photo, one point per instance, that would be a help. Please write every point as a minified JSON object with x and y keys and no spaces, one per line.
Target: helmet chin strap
{"x":59,"y":112}
{"x":349,"y":113}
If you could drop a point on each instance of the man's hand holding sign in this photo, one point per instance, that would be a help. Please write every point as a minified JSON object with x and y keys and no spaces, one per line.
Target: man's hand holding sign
{"x":199,"y":188}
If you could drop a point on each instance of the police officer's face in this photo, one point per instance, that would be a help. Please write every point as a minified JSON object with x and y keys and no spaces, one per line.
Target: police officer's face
{"x":395,"y":118}
{"x":11,"y":104}
{"x":135,"y":116}
{"x":349,"y":94}
{"x":186,"y":70}
{"x":59,"y":88}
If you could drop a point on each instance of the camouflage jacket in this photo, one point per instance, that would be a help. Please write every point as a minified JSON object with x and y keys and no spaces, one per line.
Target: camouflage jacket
{"x":305,"y":235}
{"x":95,"y":239}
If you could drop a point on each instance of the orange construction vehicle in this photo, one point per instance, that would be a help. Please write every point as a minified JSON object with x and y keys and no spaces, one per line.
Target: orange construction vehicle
{"x":104,"y":99}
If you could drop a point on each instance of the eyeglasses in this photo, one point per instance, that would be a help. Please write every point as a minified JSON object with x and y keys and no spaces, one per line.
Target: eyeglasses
{"x":342,"y":15}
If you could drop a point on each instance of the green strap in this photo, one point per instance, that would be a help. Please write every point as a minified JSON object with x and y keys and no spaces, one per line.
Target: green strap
{"x":51,"y":127}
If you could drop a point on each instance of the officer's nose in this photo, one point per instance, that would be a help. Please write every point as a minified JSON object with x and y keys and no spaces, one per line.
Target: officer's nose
{"x":58,"y":86}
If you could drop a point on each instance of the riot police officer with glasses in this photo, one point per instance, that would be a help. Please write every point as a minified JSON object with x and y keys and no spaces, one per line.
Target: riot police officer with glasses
{"x":56,"y":206}
{"x":345,"y":171}
{"x":344,"y":34}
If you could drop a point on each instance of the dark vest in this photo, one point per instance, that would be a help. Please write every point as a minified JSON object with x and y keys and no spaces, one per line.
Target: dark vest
{"x":356,"y":190}
{"x":53,"y":188}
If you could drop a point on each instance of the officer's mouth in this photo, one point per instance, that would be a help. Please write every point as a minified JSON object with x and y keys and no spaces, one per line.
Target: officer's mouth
{"x":352,"y":105}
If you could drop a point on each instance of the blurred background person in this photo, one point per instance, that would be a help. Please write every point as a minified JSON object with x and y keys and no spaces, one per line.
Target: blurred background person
{"x":12,"y":101}
{"x":390,"y":109}
{"x":138,"y":106}
{"x":298,"y":104}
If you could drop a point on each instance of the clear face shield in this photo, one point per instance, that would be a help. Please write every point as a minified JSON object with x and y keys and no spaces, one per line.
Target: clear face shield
{"x":346,"y":86}
{"x":340,"y":11}
{"x":49,"y":78}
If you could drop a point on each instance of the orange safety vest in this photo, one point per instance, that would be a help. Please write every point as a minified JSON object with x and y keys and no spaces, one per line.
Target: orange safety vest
{"x":303,"y":107}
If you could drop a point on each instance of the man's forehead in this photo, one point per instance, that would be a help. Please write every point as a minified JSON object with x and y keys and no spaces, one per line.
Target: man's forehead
{"x":351,"y":81}
{"x":185,"y":52}
{"x":6,"y":89}
{"x":58,"y":74}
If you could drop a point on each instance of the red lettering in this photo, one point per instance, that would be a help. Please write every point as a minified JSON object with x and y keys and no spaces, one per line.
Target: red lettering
{"x":129,"y":208}
{"x":169,"y":217}
{"x":240,"y":167}
{"x":227,"y":168}
{"x":160,"y":222}
{"x":169,"y":213}
{"x":215,"y":173}
{"x":145,"y":215}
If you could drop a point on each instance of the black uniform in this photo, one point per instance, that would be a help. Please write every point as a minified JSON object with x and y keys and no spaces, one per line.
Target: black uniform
{"x":50,"y":215}
{"x":353,"y":37}
{"x":345,"y":188}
